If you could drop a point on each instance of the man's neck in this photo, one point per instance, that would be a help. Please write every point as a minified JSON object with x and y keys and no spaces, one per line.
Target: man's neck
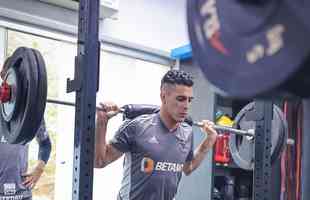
{"x":169,"y":122}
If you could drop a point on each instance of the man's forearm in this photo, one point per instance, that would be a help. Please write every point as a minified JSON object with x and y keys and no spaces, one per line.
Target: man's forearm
{"x":100,"y":145}
{"x":104,"y":153}
{"x":199,"y":154}
{"x":40,"y":166}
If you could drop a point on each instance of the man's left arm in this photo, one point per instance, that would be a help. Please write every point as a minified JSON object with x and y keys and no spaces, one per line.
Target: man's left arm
{"x":45,"y":147}
{"x":202,"y":149}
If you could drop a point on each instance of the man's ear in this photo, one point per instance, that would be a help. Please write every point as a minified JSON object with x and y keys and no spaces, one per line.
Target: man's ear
{"x":163,"y":97}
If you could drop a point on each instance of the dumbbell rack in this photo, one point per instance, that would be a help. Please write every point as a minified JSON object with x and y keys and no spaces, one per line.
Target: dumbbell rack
{"x":85,"y":84}
{"x":261,"y":175}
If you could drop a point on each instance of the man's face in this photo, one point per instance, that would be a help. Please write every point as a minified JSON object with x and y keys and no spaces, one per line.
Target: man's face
{"x":177,"y":100}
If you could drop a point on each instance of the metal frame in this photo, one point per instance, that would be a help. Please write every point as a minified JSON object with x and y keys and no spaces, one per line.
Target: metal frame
{"x":85,"y":84}
{"x":262,"y":166}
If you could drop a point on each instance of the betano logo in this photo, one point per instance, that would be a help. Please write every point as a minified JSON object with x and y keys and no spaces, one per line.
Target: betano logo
{"x":148,"y":166}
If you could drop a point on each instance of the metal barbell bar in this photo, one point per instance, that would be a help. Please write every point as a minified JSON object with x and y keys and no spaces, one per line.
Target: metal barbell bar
{"x":194,"y":123}
{"x":249,"y":132}
{"x":66,"y":103}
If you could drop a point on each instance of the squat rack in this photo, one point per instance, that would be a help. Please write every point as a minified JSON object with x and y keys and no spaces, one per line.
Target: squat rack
{"x":85,"y":84}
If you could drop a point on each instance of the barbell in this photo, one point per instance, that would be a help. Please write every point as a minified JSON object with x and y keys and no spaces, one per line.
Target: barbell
{"x":131,"y":111}
{"x":23,"y":96}
{"x":227,"y":129}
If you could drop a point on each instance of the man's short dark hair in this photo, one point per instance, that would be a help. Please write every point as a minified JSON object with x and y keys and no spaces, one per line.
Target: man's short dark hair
{"x":177,"y":77}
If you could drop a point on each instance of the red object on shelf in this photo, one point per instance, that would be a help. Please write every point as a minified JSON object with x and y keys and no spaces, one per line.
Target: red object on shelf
{"x":222,"y":153}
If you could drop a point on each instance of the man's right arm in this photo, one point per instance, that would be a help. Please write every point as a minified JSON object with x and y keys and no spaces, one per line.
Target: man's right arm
{"x":106,"y":157}
{"x":104,"y":153}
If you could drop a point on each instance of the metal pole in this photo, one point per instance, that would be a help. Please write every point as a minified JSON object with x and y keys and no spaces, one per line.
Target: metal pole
{"x":85,"y":84}
{"x":229,"y":129}
{"x":66,"y":103}
{"x":262,"y":163}
{"x":60,"y":102}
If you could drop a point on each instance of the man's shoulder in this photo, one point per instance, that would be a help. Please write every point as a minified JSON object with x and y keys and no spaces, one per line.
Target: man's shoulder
{"x":139,"y":123}
{"x":141,"y":120}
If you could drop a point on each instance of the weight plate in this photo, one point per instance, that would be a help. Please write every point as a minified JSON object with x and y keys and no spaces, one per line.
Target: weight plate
{"x":248,"y":48}
{"x":242,"y":147}
{"x":41,"y":93}
{"x":21,"y":126}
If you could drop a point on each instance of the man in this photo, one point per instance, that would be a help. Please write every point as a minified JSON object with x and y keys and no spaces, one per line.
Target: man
{"x":15,"y":181}
{"x":157,"y":147}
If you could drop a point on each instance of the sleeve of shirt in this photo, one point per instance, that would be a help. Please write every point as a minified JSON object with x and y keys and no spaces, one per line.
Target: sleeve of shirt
{"x":124,"y":137}
{"x":44,"y":142}
{"x":42,"y":133}
{"x":190,"y":155}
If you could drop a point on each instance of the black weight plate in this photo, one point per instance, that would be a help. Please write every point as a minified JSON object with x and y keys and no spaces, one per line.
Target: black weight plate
{"x":242,"y":148}
{"x":41,"y":92}
{"x":20,"y":127}
{"x":29,"y":123}
{"x":247,"y":49}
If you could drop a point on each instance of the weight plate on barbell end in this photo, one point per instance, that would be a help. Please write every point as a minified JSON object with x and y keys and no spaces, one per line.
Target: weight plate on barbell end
{"x":242,"y":147}
{"x":38,"y":115}
{"x":10,"y":109}
{"x":246,"y":48}
{"x":20,"y":127}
